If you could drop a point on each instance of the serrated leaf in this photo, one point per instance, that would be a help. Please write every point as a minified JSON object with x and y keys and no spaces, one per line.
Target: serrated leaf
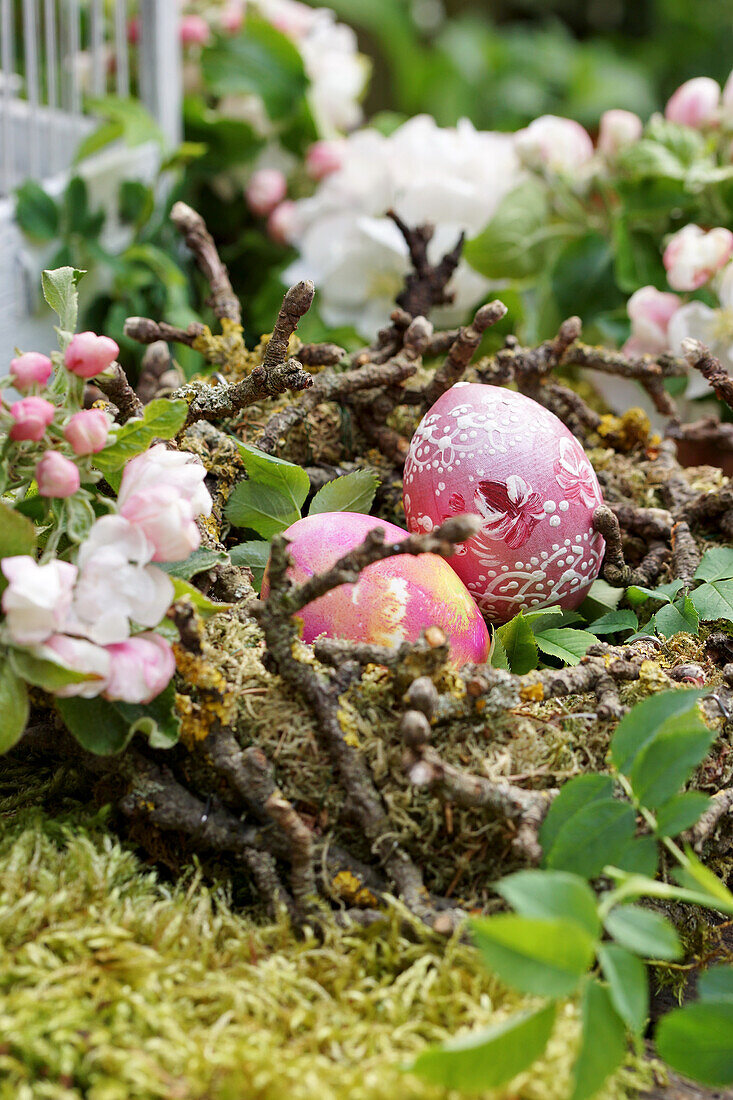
{"x":161,"y":419}
{"x":716,"y":984}
{"x":14,"y":706}
{"x":256,"y":555}
{"x":551,"y":894}
{"x":36,"y":212}
{"x":490,"y":1057}
{"x":96,"y":724}
{"x":498,"y":657}
{"x":156,"y":720}
{"x":643,"y":932}
{"x":696,"y":1041}
{"x":512,"y":244}
{"x":714,"y":600}
{"x":628,"y":984}
{"x":205,"y":607}
{"x":567,"y":644}
{"x":603,"y":1043}
{"x":582,"y":790}
{"x":668,"y":758}
{"x":601,"y":597}
{"x":716,"y":564}
{"x":596,"y":835}
{"x":637,"y":728}
{"x":681,"y":812}
{"x":290,"y":480}
{"x":263,"y":62}
{"x":198,"y":562}
{"x":614,"y":622}
{"x":546,"y":957}
{"x":640,"y":856}
{"x":59,"y":290}
{"x":264,"y":509}
{"x":677,"y":617}
{"x":351,"y":493}
{"x":519,"y":643}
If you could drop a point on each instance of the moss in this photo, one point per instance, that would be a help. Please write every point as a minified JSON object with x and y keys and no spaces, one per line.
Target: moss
{"x":116,"y":985}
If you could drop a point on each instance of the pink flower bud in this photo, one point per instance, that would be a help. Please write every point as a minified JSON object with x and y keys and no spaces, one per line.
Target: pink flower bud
{"x":266,"y":188}
{"x":57,"y":476}
{"x":89,"y":354}
{"x":232,"y":18}
{"x":693,"y":256}
{"x":727,"y":101}
{"x":696,"y":103}
{"x":37,"y":599}
{"x":133,"y":30}
{"x":194,"y":30}
{"x":617,"y":130}
{"x":650,"y":311}
{"x":323,"y":158}
{"x":87,"y":431}
{"x":80,"y":656}
{"x":178,"y":470}
{"x":30,"y":369}
{"x":166,"y":520}
{"x":140,"y":668}
{"x":283,"y":224}
{"x":32,"y":416}
{"x":559,"y":144}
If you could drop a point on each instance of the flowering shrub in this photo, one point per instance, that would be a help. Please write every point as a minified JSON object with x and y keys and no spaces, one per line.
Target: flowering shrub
{"x":80,"y":595}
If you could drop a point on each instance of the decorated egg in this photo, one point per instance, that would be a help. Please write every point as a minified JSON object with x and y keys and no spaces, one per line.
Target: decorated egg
{"x":498,"y":454}
{"x":393,"y":600}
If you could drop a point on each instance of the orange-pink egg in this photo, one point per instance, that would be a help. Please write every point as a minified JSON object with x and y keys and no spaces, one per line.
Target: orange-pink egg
{"x":393,"y":600}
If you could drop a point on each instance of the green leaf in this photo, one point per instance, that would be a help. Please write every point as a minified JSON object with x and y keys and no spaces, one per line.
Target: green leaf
{"x":156,"y":720}
{"x":603,"y":1043}
{"x":350,"y":493}
{"x":547,"y":957}
{"x":256,"y":555}
{"x":714,"y":600}
{"x":636,"y":594}
{"x":566,"y":643}
{"x":614,"y":622}
{"x":264,"y":509}
{"x":161,"y":419}
{"x":637,"y":258}
{"x":680,"y":616}
{"x":637,"y":728}
{"x":205,"y":607}
{"x":17,"y":536}
{"x":696,"y":876}
{"x":261,"y":61}
{"x":696,"y":1041}
{"x":716,"y":984}
{"x":96,"y":724}
{"x":197,"y":562}
{"x":681,"y":812}
{"x":512,"y":244}
{"x":131,"y":120}
{"x":43,"y":672}
{"x":36,"y":212}
{"x":596,"y":835}
{"x":498,"y":658}
{"x":643,"y":932}
{"x":628,"y":985}
{"x":14,"y":706}
{"x":582,"y":277}
{"x":291,"y":480}
{"x":716,"y":565}
{"x":551,"y":894}
{"x":59,"y":290}
{"x":601,"y":597}
{"x":668,"y":758}
{"x":79,"y":516}
{"x":519,"y":643}
{"x":488,"y":1058}
{"x":581,"y":791}
{"x":640,"y":856}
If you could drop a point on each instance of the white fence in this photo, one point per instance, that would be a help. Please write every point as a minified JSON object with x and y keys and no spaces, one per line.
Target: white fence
{"x":55,"y":57}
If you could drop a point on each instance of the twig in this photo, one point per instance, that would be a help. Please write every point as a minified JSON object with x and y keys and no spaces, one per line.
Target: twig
{"x":462,"y":350}
{"x":146,"y":331}
{"x":297,"y":301}
{"x":223,"y":300}
{"x":119,"y":391}
{"x":700,"y":358}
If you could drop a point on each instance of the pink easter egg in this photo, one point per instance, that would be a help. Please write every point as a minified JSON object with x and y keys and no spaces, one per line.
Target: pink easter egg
{"x":393,"y":600}
{"x":500,"y":455}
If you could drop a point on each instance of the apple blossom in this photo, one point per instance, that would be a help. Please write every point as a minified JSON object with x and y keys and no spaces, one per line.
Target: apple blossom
{"x":267,"y":187}
{"x":617,"y":130}
{"x":283,"y":222}
{"x":194,"y":30}
{"x":37,"y":599}
{"x":167,"y":520}
{"x":323,"y":157}
{"x":559,"y":144}
{"x":57,"y":476}
{"x":693,"y":256}
{"x":30,"y":369}
{"x":80,"y":656}
{"x":696,"y":103}
{"x":650,"y":311}
{"x":140,"y":668}
{"x":88,"y":354}
{"x":87,"y":431}
{"x":159,"y":466}
{"x":726,"y":102}
{"x":232,"y":18}
{"x":32,"y":415}
{"x":713,"y":327}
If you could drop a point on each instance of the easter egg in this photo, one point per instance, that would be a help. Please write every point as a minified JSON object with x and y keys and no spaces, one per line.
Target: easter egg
{"x":393,"y":600}
{"x":502,"y":456}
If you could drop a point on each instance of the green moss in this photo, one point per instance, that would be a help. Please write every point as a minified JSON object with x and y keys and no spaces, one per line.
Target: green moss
{"x":116,"y":985}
